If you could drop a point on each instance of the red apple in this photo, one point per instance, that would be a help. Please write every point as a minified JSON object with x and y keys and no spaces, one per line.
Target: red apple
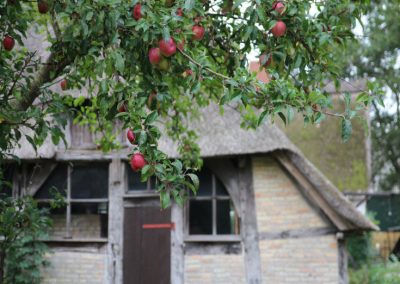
{"x":167,"y":48}
{"x":198,"y":32}
{"x":43,"y":7}
{"x":122,"y":108}
{"x":279,"y":29}
{"x":154,"y":55}
{"x":137,"y":162}
{"x":189,"y":72}
{"x":8,"y":43}
{"x":131,"y":136}
{"x":64,"y":84}
{"x":263,"y":59}
{"x":279,"y":7}
{"x":179,"y":12}
{"x":137,"y":12}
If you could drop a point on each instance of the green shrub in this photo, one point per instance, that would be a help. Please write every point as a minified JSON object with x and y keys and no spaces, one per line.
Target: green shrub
{"x":23,"y":226}
{"x":376,"y":273}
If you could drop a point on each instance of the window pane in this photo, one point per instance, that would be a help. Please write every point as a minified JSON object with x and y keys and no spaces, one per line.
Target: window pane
{"x":58,"y":216}
{"x":89,"y":220}
{"x":89,"y":181}
{"x":57,"y":181}
{"x":205,"y":178}
{"x":220,"y":188}
{"x":7,"y":171}
{"x":225,"y":218}
{"x":200,"y":219}
{"x":134,"y":182}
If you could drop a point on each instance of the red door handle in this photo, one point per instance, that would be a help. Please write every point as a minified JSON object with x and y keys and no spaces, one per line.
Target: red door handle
{"x":170,"y":226}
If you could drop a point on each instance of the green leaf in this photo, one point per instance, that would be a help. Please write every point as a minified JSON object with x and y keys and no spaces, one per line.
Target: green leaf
{"x":195,"y":180}
{"x":119,"y":62}
{"x":178,"y":165}
{"x":165,"y":199}
{"x":142,"y":137}
{"x":151,"y":117}
{"x":346,"y":129}
{"x":189,"y":4}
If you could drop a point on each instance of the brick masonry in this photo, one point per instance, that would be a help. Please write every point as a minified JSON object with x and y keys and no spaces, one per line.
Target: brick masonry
{"x":86,"y":267}
{"x":218,"y":269}
{"x":280,"y":206}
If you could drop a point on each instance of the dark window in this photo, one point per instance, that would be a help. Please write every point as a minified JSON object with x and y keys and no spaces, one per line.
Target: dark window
{"x":57,"y":181}
{"x":211,"y":211}
{"x":85,"y":188}
{"x":6,"y":177}
{"x":89,"y":181}
{"x":200,"y":217}
{"x":135,"y":184}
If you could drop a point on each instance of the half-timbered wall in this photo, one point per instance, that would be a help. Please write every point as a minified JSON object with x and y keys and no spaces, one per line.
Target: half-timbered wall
{"x":297,"y":244}
{"x":283,"y":239}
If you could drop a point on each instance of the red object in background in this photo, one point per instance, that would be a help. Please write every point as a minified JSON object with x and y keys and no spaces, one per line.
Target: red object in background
{"x":170,"y":226}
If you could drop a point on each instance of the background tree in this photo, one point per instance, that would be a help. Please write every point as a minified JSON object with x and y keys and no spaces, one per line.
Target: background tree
{"x":376,"y":57}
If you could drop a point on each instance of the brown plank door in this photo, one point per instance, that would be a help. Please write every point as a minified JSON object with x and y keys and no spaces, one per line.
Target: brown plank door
{"x":147,"y":246}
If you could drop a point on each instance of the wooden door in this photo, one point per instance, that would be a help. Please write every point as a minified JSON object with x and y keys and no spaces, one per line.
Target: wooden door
{"x":147,"y":246}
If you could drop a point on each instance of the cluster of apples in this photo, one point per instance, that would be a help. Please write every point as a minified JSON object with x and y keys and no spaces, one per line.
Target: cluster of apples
{"x":8,"y":41}
{"x":167,"y":48}
{"x":138,"y":160}
{"x":278,"y":30}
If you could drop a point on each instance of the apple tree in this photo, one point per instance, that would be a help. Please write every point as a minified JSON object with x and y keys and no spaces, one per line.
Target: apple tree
{"x":152,"y":64}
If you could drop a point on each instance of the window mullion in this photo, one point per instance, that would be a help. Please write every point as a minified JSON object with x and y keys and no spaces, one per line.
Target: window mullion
{"x":68,"y":216}
{"x":214,"y":206}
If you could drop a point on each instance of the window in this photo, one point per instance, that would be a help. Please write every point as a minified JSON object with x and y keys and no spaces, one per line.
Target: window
{"x":211,"y":212}
{"x":135,"y":185}
{"x":6,"y":177}
{"x":85,"y":188}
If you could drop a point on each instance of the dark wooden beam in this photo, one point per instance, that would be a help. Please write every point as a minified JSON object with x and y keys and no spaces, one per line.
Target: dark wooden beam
{"x":213,"y":248}
{"x":177,"y":245}
{"x":343,"y":262}
{"x":297,"y":233}
{"x":249,"y":227}
{"x":116,"y":190}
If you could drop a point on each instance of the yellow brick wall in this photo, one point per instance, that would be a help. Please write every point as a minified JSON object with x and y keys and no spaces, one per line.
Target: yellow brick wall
{"x":216,"y":269}
{"x":75,"y":267}
{"x":300,"y":261}
{"x":280,"y":206}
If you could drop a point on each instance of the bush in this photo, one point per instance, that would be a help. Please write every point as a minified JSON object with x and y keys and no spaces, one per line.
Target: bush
{"x":23,"y":227}
{"x":376,"y":273}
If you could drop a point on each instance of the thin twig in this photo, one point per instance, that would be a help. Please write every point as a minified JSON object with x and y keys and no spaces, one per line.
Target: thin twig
{"x":202,"y":67}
